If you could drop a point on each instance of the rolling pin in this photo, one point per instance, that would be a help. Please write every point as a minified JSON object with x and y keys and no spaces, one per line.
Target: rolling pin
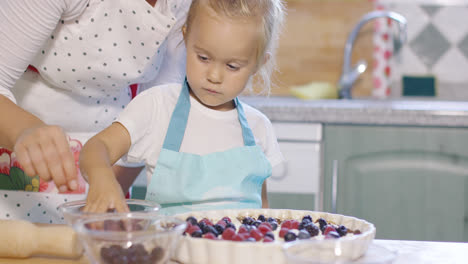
{"x":22,"y":239}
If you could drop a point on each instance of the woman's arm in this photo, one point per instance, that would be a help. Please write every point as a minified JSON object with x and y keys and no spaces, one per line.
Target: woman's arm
{"x":96,"y":160}
{"x":41,"y":149}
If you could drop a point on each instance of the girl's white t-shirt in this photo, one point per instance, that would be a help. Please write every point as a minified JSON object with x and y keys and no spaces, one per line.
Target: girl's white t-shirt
{"x":87,"y":53}
{"x":147,"y":118}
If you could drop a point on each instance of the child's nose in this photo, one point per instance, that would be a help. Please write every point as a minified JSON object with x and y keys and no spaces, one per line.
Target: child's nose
{"x":215,"y":74}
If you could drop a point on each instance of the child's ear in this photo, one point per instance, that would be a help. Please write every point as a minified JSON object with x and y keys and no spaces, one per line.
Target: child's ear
{"x":266,"y":58}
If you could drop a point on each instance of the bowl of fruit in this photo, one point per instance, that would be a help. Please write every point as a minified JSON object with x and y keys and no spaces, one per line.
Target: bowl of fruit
{"x":136,"y":238}
{"x":258,"y":235}
{"x":73,"y":210}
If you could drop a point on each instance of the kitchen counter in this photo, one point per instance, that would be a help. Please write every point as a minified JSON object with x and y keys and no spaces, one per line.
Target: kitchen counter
{"x":408,"y":252}
{"x":374,"y":112}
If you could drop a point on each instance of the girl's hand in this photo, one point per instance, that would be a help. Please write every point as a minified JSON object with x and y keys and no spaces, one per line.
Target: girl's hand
{"x":43,"y":150}
{"x":105,"y":194}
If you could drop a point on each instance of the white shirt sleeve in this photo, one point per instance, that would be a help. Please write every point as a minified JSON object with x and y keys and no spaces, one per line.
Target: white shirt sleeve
{"x":271,"y":148}
{"x":25,"y":27}
{"x":138,"y":118}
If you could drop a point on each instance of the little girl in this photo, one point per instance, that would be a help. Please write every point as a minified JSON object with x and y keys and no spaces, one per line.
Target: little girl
{"x":203,"y":148}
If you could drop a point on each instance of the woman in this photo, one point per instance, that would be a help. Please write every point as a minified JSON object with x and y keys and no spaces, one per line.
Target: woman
{"x":65,"y":71}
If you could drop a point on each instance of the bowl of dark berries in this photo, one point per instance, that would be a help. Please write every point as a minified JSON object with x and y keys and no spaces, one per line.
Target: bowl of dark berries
{"x":73,"y":210}
{"x":132,"y":238}
{"x":252,"y":236}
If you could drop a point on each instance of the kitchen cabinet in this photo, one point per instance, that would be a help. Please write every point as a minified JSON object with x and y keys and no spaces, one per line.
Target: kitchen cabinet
{"x":411,"y":182}
{"x":295,"y":184}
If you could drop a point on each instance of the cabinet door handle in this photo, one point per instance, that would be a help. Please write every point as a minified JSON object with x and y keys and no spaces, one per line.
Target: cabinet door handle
{"x":334,"y":185}
{"x":284,"y":172}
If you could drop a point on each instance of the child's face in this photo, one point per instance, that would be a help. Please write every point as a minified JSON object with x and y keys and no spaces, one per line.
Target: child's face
{"x":221,"y":56}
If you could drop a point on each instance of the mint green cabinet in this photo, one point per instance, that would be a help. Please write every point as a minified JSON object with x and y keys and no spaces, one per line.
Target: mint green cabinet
{"x":411,"y":182}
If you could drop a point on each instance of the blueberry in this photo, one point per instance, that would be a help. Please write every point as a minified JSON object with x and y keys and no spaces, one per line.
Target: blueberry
{"x":322,"y":223}
{"x":247,"y":221}
{"x":290,"y":236}
{"x":303,"y":234}
{"x":312,"y":229}
{"x":274,"y":225}
{"x":231,"y":225}
{"x":270,"y":234}
{"x":250,"y":239}
{"x":271,"y":219}
{"x":307,"y":217}
{"x":257,"y":223}
{"x":192,"y":220}
{"x":219,"y":228}
{"x":197,"y":233}
{"x":261,"y":218}
{"x":156,"y":254}
{"x":210,"y":229}
{"x":333,"y":234}
{"x":342,"y":230}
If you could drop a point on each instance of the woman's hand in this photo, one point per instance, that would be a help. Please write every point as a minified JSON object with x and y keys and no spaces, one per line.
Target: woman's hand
{"x":105,"y":194}
{"x":43,"y":150}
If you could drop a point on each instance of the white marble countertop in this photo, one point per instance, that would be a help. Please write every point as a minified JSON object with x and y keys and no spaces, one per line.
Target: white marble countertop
{"x":373,"y":112}
{"x":415,"y":252}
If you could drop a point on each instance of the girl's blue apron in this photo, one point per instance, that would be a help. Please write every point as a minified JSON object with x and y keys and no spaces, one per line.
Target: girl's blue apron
{"x":184,"y":182}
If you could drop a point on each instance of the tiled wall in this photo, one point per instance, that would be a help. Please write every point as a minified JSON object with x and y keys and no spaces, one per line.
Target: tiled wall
{"x":437,"y":46}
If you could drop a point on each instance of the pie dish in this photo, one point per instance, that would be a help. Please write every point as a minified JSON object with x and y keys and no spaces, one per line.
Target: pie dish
{"x":196,"y":250}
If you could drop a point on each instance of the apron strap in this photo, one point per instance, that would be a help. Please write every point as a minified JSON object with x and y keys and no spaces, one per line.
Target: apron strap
{"x":176,"y":130}
{"x":177,"y":125}
{"x":247,"y":134}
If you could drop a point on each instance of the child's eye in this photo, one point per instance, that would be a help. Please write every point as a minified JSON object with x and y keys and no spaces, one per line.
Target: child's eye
{"x":202,"y":58}
{"x":233,"y":67}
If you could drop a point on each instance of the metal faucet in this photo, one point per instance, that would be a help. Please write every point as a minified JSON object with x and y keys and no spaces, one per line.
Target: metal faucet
{"x":348,"y":75}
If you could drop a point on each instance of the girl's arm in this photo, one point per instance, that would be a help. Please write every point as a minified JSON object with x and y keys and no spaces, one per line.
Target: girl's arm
{"x":264,"y":196}
{"x":96,"y":160}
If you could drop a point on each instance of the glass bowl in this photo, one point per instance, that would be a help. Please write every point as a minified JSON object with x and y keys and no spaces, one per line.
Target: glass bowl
{"x":337,"y":251}
{"x":72,"y":211}
{"x":129,"y":237}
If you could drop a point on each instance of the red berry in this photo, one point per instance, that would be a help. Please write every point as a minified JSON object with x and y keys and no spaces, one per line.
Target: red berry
{"x":207,"y":221}
{"x":209,"y":235}
{"x":283,"y":232}
{"x":244,"y":236}
{"x":192,"y":229}
{"x":226,"y":219}
{"x":287,"y":224}
{"x":228,"y":233}
{"x":329,"y":229}
{"x":267,"y":239}
{"x":255,"y":233}
{"x":221,"y":223}
{"x":237,"y":237}
{"x":264,"y":228}
{"x":295,"y":224}
{"x":243,"y":229}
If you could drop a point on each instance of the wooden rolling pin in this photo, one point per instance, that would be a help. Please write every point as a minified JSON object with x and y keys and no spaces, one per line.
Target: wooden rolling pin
{"x":22,"y":239}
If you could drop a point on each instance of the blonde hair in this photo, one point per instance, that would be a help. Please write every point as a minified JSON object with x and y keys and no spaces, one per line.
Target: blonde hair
{"x":272,"y":13}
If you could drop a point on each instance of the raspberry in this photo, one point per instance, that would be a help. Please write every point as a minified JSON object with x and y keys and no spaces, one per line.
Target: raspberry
{"x":295,"y":224}
{"x":209,"y":236}
{"x":287,"y":224}
{"x":221,"y":223}
{"x":264,"y":228}
{"x":237,"y":237}
{"x":329,"y":229}
{"x":267,"y":239}
{"x":192,"y":229}
{"x":255,"y":233}
{"x":283,"y":232}
{"x":243,"y":229}
{"x":226,"y":219}
{"x":228,"y":233}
